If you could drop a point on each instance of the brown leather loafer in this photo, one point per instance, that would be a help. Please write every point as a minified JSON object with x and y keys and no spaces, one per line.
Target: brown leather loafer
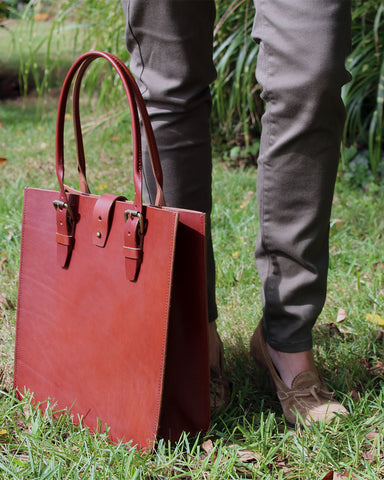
{"x":307,"y":400}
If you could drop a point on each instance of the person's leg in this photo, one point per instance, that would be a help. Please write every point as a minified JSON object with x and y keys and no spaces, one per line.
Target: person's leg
{"x":170,"y":45}
{"x":301,"y":67}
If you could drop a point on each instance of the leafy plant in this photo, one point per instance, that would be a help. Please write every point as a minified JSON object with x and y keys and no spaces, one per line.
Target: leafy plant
{"x":237,"y":107}
{"x":10,"y":8}
{"x":364,"y":95}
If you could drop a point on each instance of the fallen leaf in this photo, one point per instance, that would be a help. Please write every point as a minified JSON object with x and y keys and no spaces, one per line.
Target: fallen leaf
{"x":341,"y":315}
{"x":20,"y":424}
{"x":377,"y":368}
{"x":247,"y":456}
{"x":372,"y":317}
{"x":1,"y":124}
{"x":41,"y":17}
{"x":281,"y":464}
{"x":337,"y":222}
{"x":3,"y":160}
{"x":328,"y":476}
{"x":207,"y":446}
{"x":372,"y":435}
{"x":338,"y":476}
{"x":354,"y":395}
{"x":369,"y":457}
{"x":5,"y":302}
{"x":334,"y":330}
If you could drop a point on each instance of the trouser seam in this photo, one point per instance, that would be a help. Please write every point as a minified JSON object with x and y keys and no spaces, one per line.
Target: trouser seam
{"x":269,"y":133}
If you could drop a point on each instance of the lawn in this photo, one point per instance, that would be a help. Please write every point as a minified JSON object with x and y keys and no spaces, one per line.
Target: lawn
{"x":249,"y":439}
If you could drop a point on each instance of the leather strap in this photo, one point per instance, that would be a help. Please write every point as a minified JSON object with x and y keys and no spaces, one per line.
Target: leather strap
{"x":65,"y":228}
{"x":150,"y":137}
{"x":102,"y":218}
{"x":134,"y":225}
{"x":151,"y":142}
{"x":82,"y":63}
{"x":133,"y":245}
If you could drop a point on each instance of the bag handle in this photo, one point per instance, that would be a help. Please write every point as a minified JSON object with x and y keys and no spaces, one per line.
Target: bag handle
{"x":65,"y":217}
{"x":134,"y":100}
{"x":151,"y":142}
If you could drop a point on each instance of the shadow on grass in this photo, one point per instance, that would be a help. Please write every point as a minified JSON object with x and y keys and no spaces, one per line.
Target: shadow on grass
{"x":251,"y":395}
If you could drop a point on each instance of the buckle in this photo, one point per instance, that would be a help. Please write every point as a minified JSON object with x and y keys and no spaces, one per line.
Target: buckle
{"x":133,"y":213}
{"x":59,"y":204}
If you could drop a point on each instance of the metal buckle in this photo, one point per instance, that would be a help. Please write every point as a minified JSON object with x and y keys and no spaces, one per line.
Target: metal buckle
{"x":59,"y":204}
{"x":134,"y":213}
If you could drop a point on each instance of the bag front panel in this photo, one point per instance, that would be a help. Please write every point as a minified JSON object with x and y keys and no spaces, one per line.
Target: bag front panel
{"x":87,"y":337}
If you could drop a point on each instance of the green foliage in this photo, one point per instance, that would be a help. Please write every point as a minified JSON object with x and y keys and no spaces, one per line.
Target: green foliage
{"x":10,"y":8}
{"x":101,"y":23}
{"x":236,"y":104}
{"x":89,"y":24}
{"x":364,"y":95}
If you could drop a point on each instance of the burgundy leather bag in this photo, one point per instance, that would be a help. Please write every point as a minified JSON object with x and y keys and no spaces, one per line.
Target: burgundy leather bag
{"x":112,"y":311}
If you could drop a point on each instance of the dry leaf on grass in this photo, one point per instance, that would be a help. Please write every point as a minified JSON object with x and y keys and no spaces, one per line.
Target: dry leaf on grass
{"x":354,"y":395}
{"x":371,"y":435}
{"x":5,"y":302}
{"x":207,"y":446}
{"x":338,"y":476}
{"x":3,"y":160}
{"x":373,"y":317}
{"x":375,"y":368}
{"x":341,"y":315}
{"x":4,"y":435}
{"x":370,"y":457}
{"x":333,"y":329}
{"x":337,"y":222}
{"x":281,"y":464}
{"x":247,"y":456}
{"x":41,"y":17}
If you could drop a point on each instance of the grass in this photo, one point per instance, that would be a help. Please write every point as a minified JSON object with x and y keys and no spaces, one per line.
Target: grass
{"x":249,"y":439}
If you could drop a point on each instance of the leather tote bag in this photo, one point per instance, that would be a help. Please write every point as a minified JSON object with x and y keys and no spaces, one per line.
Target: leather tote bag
{"x":112,"y":311}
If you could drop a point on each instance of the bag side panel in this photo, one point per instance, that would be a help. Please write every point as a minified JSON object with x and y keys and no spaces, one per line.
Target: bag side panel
{"x":186,"y":389}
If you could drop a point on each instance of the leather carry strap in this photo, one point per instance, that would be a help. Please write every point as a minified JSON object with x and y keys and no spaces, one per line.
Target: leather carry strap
{"x":151,"y":142}
{"x":134,"y":223}
{"x":102,"y":217}
{"x":84,"y":61}
{"x":133,"y":243}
